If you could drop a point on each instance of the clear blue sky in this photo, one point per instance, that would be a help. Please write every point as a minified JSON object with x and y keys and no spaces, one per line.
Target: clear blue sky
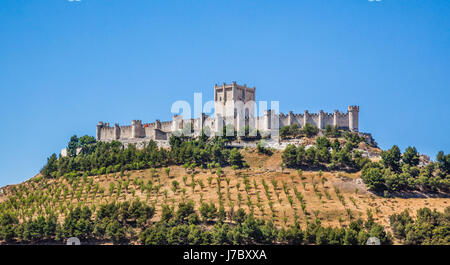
{"x":64,"y":65}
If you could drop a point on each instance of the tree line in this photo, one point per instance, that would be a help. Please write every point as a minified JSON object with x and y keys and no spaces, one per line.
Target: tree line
{"x":401,"y":172}
{"x":395,"y":171}
{"x":114,"y":221}
{"x":309,"y":130}
{"x":326,"y":154}
{"x":184,"y":228}
{"x":96,"y":158}
{"x":123,"y":222}
{"x":427,"y":228}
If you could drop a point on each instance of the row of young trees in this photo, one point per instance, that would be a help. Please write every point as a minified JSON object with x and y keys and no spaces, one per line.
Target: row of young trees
{"x":401,"y":172}
{"x":256,"y":231}
{"x":121,"y":223}
{"x":130,"y":221}
{"x":97,"y":158}
{"x":183,"y":227}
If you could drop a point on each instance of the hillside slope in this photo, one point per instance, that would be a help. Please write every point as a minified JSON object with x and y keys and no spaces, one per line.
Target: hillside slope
{"x":201,"y":191}
{"x":336,"y":198}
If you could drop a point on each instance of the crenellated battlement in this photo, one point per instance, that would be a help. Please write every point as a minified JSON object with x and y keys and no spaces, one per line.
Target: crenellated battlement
{"x":353,"y":108}
{"x":229,"y":95}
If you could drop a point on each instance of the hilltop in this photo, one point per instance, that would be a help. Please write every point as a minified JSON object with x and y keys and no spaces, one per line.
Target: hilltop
{"x":169,"y":191}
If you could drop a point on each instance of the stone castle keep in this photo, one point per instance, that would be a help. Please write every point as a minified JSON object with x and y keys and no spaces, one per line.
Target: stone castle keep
{"x":233,"y":104}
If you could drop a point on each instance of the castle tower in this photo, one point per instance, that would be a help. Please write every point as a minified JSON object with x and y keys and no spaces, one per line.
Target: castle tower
{"x":98,"y":132}
{"x":199,"y":124}
{"x":290,"y":118}
{"x":177,"y":123}
{"x":305,"y":117}
{"x":320,"y":123}
{"x":335,"y":121}
{"x":234,"y":103}
{"x":353,"y":118}
{"x":116,"y":131}
{"x":267,"y":120}
{"x":136,"y":128}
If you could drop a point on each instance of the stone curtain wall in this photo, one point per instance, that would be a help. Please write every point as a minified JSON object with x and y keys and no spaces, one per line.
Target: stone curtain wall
{"x":320,"y":120}
{"x":107,"y":133}
{"x":342,"y":120}
{"x":139,"y":130}
{"x":231,"y":102}
{"x":125,"y":132}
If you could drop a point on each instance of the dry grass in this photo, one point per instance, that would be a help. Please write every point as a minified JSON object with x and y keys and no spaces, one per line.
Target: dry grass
{"x":334,"y":197}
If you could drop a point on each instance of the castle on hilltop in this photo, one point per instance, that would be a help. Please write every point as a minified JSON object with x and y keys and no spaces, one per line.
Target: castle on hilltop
{"x":233,"y":105}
